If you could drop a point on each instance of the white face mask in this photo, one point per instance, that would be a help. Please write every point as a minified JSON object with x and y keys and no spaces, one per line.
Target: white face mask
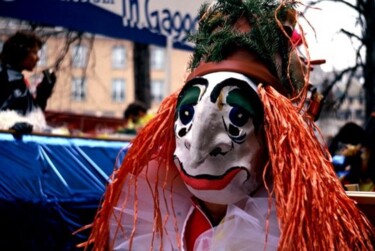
{"x":217,"y":149}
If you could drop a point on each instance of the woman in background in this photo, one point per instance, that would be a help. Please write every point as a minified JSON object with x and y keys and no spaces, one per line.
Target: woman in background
{"x":20,"y":109}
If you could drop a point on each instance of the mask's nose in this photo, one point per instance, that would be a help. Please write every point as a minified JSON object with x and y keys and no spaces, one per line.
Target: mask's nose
{"x":208,"y":137}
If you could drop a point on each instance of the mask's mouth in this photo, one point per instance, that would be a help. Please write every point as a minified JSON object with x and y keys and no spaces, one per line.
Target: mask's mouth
{"x":210,"y":182}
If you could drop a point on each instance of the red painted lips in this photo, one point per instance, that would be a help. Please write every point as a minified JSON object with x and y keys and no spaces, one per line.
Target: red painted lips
{"x":209,"y":182}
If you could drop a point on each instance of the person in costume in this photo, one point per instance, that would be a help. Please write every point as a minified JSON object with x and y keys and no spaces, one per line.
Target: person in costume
{"x":20,"y":109}
{"x":232,"y":160}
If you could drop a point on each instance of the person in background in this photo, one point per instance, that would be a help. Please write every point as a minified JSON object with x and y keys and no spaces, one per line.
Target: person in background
{"x":134,"y":112}
{"x":350,"y":133}
{"x":20,"y":109}
{"x":136,"y":117}
{"x":353,"y":157}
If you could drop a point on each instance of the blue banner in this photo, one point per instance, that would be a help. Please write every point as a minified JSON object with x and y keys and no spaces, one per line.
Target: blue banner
{"x":145,"y":21}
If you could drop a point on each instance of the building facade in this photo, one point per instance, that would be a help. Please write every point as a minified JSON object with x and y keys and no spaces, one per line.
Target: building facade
{"x":95,"y":74}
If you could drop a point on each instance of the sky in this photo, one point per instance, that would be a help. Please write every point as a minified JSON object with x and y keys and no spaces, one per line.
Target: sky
{"x":327,"y":43}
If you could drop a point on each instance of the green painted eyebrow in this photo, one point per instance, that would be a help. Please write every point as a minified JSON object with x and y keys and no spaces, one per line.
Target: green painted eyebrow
{"x":243,"y":96}
{"x":190,"y":97}
{"x":237,"y":98}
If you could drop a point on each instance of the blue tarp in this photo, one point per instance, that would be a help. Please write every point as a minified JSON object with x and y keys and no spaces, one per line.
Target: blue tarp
{"x":50,"y":187}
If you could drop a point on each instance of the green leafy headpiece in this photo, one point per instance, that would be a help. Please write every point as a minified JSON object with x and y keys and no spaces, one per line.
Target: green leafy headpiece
{"x":261,"y":29}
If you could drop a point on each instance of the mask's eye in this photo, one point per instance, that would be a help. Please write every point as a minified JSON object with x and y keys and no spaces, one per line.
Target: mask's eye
{"x":187,"y":100}
{"x":186,"y":114}
{"x":239,"y":116}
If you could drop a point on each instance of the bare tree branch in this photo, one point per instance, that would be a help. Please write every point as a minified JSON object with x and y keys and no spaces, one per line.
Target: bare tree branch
{"x":351,"y":35}
{"x":363,"y":46}
{"x":347,"y":85}
{"x":71,"y":37}
{"x":359,"y":59}
{"x":338,"y":76}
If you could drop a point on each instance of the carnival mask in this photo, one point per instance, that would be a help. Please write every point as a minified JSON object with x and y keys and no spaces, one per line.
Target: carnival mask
{"x":218,"y":117}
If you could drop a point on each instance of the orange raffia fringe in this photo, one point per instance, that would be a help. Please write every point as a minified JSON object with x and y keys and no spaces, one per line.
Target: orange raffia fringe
{"x":312,"y":207}
{"x":154,"y":142}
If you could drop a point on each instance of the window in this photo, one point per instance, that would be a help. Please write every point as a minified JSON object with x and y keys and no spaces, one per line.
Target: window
{"x":359,"y":113}
{"x":78,"y":89}
{"x":79,"y":56}
{"x":118,"y":90}
{"x":118,"y":57}
{"x":157,"y":58}
{"x":350,"y":100}
{"x":344,"y":114}
{"x":157,"y":90}
{"x":361,"y":98}
{"x":43,"y":56}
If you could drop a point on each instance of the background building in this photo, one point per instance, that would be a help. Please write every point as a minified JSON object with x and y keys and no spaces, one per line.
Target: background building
{"x":95,"y":76}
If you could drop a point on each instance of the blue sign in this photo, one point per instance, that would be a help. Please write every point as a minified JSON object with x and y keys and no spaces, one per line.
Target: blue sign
{"x":145,"y":21}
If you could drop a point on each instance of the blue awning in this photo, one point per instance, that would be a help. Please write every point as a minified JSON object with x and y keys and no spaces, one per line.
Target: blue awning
{"x":145,"y":21}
